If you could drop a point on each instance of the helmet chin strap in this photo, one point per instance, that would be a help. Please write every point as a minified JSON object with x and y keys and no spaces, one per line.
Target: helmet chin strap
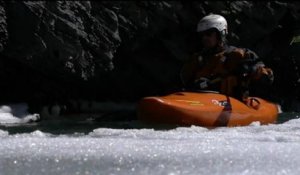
{"x":223,"y":36}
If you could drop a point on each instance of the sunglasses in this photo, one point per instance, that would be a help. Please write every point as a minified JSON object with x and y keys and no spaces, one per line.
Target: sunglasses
{"x":208,"y":33}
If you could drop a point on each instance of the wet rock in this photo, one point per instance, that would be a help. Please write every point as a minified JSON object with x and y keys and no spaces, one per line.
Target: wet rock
{"x":62,"y":35}
{"x":3,"y":27}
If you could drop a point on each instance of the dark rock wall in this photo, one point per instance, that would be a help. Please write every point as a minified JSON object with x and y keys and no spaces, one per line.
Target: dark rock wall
{"x":53,"y":51}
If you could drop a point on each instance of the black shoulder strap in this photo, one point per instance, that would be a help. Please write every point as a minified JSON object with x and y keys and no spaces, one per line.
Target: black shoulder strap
{"x":253,"y":58}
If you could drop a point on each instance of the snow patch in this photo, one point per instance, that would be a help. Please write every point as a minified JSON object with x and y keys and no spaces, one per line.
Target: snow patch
{"x":254,"y":149}
{"x":16,"y":113}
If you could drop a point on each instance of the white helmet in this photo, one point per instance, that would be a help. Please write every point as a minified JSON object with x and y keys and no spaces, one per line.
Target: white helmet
{"x":213,"y":21}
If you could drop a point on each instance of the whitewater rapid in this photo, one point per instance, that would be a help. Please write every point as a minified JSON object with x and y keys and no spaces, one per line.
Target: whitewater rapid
{"x":255,"y":149}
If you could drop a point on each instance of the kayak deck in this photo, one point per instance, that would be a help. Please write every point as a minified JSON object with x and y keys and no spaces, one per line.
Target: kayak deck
{"x":205,"y":109}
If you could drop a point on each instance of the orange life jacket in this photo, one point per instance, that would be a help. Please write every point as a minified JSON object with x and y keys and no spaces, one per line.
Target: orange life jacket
{"x":227,"y":65}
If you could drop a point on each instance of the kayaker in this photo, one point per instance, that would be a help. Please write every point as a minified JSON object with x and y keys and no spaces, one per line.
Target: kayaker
{"x":221,"y":67}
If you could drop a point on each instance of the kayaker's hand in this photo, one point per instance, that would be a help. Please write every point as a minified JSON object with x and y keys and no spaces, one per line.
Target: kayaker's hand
{"x":202,"y":83}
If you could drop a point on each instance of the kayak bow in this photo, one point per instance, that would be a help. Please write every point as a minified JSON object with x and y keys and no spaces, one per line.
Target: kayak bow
{"x":205,"y":109}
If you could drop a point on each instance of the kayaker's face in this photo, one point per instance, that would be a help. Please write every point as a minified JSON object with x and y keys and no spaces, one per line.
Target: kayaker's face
{"x":209,"y":39}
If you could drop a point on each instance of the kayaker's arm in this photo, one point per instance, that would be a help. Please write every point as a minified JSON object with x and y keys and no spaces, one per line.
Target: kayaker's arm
{"x":253,"y":75}
{"x":253,"y":68}
{"x":189,"y":69}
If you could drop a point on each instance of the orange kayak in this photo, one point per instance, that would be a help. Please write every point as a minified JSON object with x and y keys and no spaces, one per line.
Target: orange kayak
{"x":205,"y":109}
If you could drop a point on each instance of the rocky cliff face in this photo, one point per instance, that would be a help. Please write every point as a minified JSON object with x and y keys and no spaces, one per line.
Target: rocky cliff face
{"x":52,"y":51}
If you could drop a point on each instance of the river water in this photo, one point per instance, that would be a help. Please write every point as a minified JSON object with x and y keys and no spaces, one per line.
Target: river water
{"x":81,"y":145}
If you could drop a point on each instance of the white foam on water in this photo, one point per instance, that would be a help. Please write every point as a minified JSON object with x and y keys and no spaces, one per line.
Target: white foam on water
{"x":16,"y":113}
{"x":255,"y":149}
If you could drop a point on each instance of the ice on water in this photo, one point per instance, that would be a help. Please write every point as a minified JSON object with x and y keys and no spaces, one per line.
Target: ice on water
{"x":255,"y":149}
